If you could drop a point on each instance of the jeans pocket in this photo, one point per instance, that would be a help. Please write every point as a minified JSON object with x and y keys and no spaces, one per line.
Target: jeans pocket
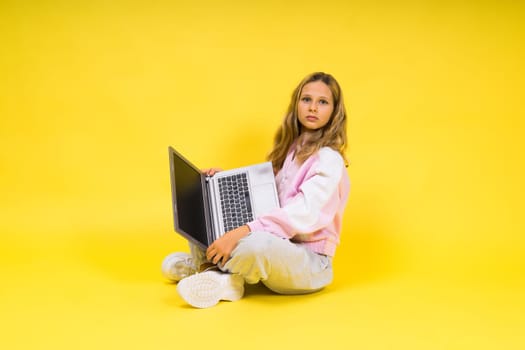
{"x":325,"y":262}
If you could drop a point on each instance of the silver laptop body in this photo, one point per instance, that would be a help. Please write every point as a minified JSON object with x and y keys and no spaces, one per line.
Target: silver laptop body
{"x":204,"y":208}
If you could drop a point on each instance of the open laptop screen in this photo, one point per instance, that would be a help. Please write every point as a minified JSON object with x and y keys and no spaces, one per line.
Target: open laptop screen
{"x":188,"y":199}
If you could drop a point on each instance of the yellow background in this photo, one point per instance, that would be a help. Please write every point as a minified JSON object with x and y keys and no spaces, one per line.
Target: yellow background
{"x":93,"y":92}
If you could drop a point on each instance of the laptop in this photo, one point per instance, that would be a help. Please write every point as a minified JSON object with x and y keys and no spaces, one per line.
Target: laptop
{"x":204,"y":207}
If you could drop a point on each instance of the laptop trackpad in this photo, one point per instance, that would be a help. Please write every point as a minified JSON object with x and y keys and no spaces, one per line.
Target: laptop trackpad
{"x":264,"y":199}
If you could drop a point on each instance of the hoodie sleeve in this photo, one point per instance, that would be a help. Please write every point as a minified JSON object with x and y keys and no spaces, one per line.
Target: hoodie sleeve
{"x":315,"y":204}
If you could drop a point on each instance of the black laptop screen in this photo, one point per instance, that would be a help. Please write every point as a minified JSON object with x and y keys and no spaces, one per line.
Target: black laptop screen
{"x":189,"y":203}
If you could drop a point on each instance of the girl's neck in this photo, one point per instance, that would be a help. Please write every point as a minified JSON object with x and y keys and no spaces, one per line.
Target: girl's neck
{"x":306,"y":135}
{"x":303,"y":138}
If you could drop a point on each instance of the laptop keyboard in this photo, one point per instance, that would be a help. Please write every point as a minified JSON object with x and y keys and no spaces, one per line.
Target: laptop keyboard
{"x":235,"y":201}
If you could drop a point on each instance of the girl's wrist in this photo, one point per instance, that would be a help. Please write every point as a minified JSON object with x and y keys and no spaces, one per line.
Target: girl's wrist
{"x":243,"y":231}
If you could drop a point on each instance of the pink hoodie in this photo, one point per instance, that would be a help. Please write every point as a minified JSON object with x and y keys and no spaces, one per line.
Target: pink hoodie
{"x":313,"y":197}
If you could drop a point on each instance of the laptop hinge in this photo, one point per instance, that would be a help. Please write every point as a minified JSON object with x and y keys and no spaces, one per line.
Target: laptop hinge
{"x":208,"y":212}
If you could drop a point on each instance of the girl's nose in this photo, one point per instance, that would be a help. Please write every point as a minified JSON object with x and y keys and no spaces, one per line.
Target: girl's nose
{"x":313,"y":107}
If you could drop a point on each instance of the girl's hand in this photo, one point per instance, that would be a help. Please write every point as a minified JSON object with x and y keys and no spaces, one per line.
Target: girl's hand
{"x":220,"y":250}
{"x":210,"y":171}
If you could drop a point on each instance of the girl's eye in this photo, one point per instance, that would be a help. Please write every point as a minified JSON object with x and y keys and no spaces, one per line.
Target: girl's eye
{"x":323,"y":102}
{"x":305,"y":99}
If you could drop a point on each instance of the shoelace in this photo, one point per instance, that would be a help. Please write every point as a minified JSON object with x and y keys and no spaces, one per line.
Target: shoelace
{"x":188,"y":261}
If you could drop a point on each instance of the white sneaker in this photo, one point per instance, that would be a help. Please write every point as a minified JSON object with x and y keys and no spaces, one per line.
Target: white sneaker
{"x":177,"y":266}
{"x":206,"y":289}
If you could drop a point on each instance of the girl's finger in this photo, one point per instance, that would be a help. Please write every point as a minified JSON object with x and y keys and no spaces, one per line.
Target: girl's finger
{"x":224,"y":259}
{"x":210,"y":253}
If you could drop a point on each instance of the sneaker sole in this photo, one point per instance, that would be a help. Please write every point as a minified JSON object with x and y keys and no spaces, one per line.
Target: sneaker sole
{"x":204,"y":290}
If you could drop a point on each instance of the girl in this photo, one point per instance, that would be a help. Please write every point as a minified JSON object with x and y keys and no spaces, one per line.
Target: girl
{"x":290,"y":249}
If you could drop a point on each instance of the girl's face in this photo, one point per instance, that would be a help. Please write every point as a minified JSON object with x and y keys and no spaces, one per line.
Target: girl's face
{"x":315,"y":106}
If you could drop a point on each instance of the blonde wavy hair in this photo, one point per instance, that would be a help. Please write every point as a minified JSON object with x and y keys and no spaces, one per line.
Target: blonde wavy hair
{"x":332,"y":135}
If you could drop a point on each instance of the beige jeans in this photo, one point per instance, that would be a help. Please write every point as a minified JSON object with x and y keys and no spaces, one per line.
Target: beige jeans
{"x":281,"y":265}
